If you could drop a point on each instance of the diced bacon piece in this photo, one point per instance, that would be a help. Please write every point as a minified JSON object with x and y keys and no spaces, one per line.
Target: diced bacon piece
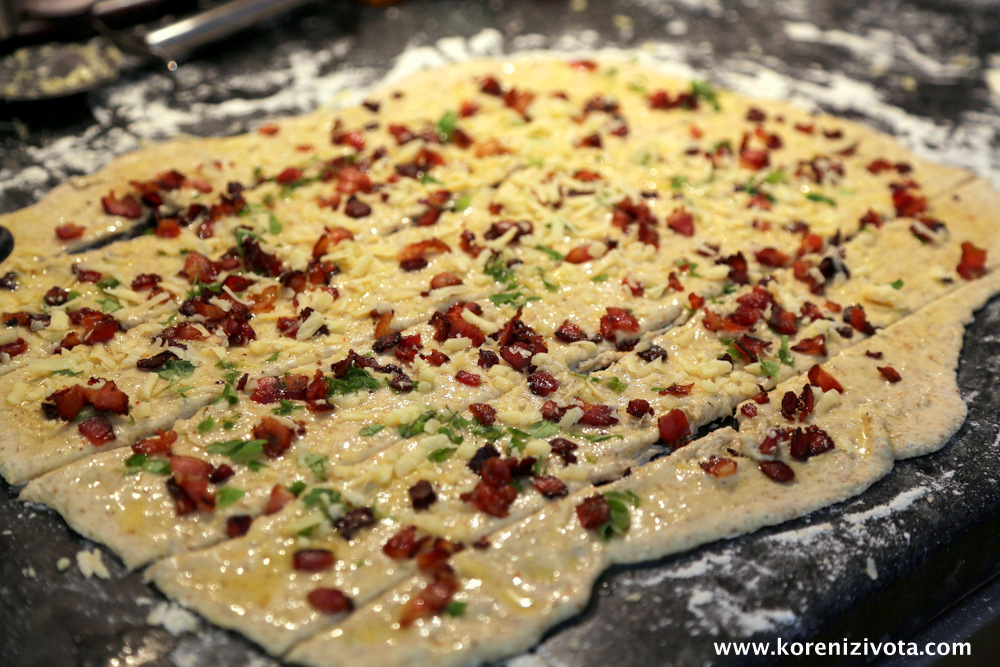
{"x":617,"y":319}
{"x":719,"y":466}
{"x":435,"y":358}
{"x":280,"y":496}
{"x":330,"y":601}
{"x":69,"y":231}
{"x":889,"y":373}
{"x":855,"y":316}
{"x":190,"y":484}
{"x":598,"y":415}
{"x":14,"y":348}
{"x":681,"y":221}
{"x":431,"y":601}
{"x":168,"y":228}
{"x":593,"y":512}
{"x":402,"y":545}
{"x":750,"y":347}
{"x":313,"y":560}
{"x":468,"y":379}
{"x":493,"y":500}
{"x":198,"y":268}
{"x":907,"y":204}
{"x":157,"y":444}
{"x":501,"y":227}
{"x":638,"y":408}
{"x":542,"y":383}
{"x":819,"y":377}
{"x":97,"y":430}
{"x":422,"y":495}
{"x":353,"y":138}
{"x":85,"y":275}
{"x":777,"y":471}
{"x":783,"y":321}
{"x":451,"y":324}
{"x":772,"y":257}
{"x":973,"y":264}
{"x":748,"y":410}
{"x":351,"y":179}
{"x":125,"y":207}
{"x":815,"y":346}
{"x":871,"y":218}
{"x":674,"y":428}
{"x":446,"y":279}
{"x":485,"y":414}
{"x":579,"y":255}
{"x":808,"y":442}
{"x":518,"y":100}
{"x":278,"y":437}
{"x":550,"y":486}
{"x":238,"y":525}
{"x":330,"y":238}
{"x":414,"y":256}
{"x":755,"y":159}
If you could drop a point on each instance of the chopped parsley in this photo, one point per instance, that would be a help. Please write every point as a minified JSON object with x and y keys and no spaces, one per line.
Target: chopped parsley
{"x":554,"y":255}
{"x":441,"y":455}
{"x":704,"y":92}
{"x":240,"y":451}
{"x":897,"y":284}
{"x":138,"y":462}
{"x":206,"y":425}
{"x":446,"y":125}
{"x":316,"y":463}
{"x":769,"y":367}
{"x":616,"y":385}
{"x":67,"y":372}
{"x":516,"y":299}
{"x":109,"y":305}
{"x":599,"y":278}
{"x":455,"y":608}
{"x":543,"y":429}
{"x":621,"y":503}
{"x":176,"y":369}
{"x":816,"y":197}
{"x":372,"y":429}
{"x":353,"y":381}
{"x":227,"y":496}
{"x":286,"y":408}
{"x":784,"y":356}
{"x":497,"y":269}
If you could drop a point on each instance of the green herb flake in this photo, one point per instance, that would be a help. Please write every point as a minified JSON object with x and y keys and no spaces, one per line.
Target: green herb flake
{"x":775,"y":177}
{"x":67,"y":372}
{"x":273,"y":357}
{"x":372,"y":429}
{"x":497,"y":269}
{"x":206,"y":425}
{"x":769,"y":367}
{"x":316,"y":463}
{"x":704,"y":92}
{"x":322,"y":497}
{"x":108,"y":282}
{"x":441,"y":455}
{"x":286,"y":407}
{"x":554,"y":255}
{"x":621,"y":503}
{"x":297,"y":488}
{"x":446,"y":125}
{"x":816,"y":197}
{"x":455,"y":608}
{"x":416,"y":427}
{"x":176,"y":369}
{"x":897,"y":284}
{"x":616,"y":385}
{"x":241,"y":451}
{"x":355,"y":380}
{"x":543,"y":429}
{"x":427,"y":178}
{"x":109,"y":305}
{"x":516,"y":299}
{"x":138,"y":462}
{"x":784,"y":356}
{"x":227,"y":495}
{"x":599,"y":278}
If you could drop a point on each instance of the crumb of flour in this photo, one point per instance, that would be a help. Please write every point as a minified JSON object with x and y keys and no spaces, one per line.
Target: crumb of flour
{"x":174,"y":619}
{"x":63,"y":564}
{"x":91,"y":565}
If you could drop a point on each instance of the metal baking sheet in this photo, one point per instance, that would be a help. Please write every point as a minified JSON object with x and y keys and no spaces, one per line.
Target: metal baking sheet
{"x":876,"y":567}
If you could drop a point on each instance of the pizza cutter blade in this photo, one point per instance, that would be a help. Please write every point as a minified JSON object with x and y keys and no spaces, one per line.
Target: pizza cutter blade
{"x":56,"y":70}
{"x":6,"y":243}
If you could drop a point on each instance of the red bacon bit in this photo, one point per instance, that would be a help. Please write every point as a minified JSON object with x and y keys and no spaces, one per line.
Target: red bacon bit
{"x":594,"y":512}
{"x":889,"y":373}
{"x":85,"y":275}
{"x":681,"y":222}
{"x":468,"y":245}
{"x":199,"y":269}
{"x":469,"y":379}
{"x":674,"y":428}
{"x":485,"y":414}
{"x":238,"y":525}
{"x":811,"y":243}
{"x":662,"y":100}
{"x":313,"y":560}
{"x":429,"y":602}
{"x":973,"y":264}
{"x":597,"y":415}
{"x":772,"y":257}
{"x":590,"y":141}
{"x":435,"y":358}
{"x":403,"y":545}
{"x":550,"y":486}
{"x":126,"y":207}
{"x":907,"y":204}
{"x":190,"y":484}
{"x":542,"y":383}
{"x":775,"y":437}
{"x":97,"y":327}
{"x":69,"y":231}
{"x":451,"y":324}
{"x":330,"y":601}
{"x":677,"y":390}
{"x":618,"y":319}
{"x":268,"y":129}
{"x":815,"y":346}
{"x":855,"y":316}
{"x":422,"y":495}
{"x":809,"y":442}
{"x":579,"y":255}
{"x":445,"y":279}
{"x":755,"y":159}
{"x":288,"y":175}
{"x":750,"y":347}
{"x":738,"y":268}
{"x":777,"y":471}
{"x":871,"y":218}
{"x":495,"y":493}
{"x":748,"y":410}
{"x":14,"y":348}
{"x":633,"y":286}
{"x":468,"y":108}
{"x":638,"y":408}
{"x":718,"y":466}
{"x":584,"y":66}
{"x":519,"y":101}
{"x":819,"y":377}
{"x":157,"y":444}
{"x":330,"y":238}
{"x":278,"y":437}
{"x":414,"y":256}
{"x":783,"y":321}
{"x":280,"y":496}
{"x":97,"y":430}
{"x":353,"y":138}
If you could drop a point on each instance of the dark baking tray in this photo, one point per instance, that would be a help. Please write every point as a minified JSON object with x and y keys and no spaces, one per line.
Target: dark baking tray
{"x":930,"y":529}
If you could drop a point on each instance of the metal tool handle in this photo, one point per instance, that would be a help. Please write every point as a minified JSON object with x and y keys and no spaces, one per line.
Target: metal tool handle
{"x":174,"y":41}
